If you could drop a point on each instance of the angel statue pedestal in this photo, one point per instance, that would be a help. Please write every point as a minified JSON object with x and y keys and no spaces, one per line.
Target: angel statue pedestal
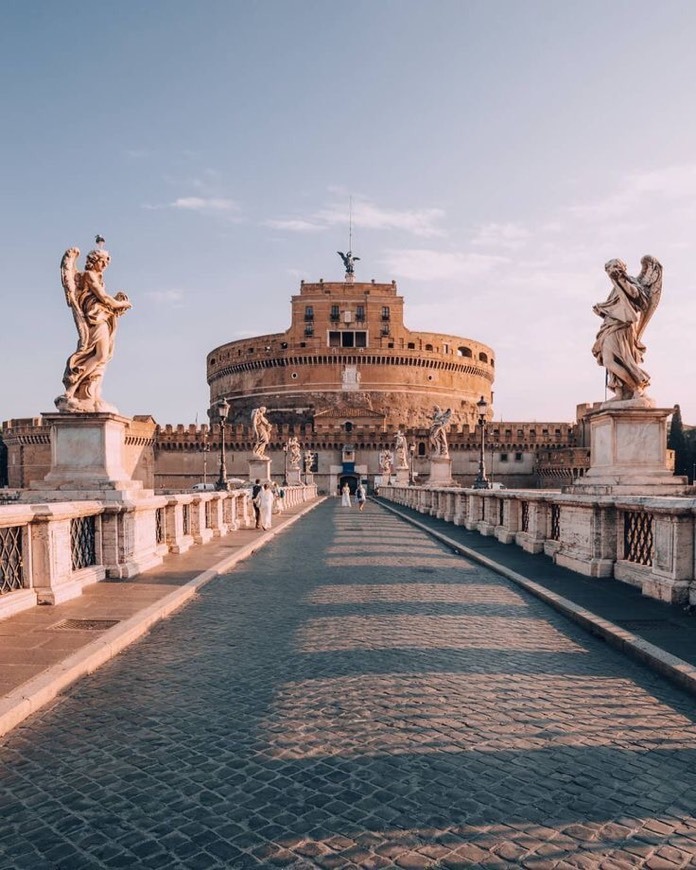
{"x":628,"y":452}
{"x":260,"y":469}
{"x":87,"y":459}
{"x":440,"y":472}
{"x":294,"y":478}
{"x":402,"y":476}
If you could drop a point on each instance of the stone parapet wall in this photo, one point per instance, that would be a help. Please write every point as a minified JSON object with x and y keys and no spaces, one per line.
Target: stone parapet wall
{"x":647,"y":542}
{"x":50,"y":552}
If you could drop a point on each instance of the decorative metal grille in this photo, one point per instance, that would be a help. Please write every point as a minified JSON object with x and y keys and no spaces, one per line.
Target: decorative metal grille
{"x":501,"y":512}
{"x":83,"y":542}
{"x":524,"y":511}
{"x":555,"y":522}
{"x":638,"y":537}
{"x":11,"y":564}
{"x":209,"y":515}
{"x":186,"y":515}
{"x":85,"y":624}
{"x":159,"y":525}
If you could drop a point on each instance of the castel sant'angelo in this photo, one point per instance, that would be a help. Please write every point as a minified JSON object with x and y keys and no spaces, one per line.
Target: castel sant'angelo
{"x":344,"y":378}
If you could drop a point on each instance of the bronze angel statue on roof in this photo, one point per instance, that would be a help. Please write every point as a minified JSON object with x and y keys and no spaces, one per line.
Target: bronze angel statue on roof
{"x":95,"y":314}
{"x":348,"y":261}
{"x":625,"y":314}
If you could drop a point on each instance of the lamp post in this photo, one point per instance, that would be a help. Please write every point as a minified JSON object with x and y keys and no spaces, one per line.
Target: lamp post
{"x":285,"y":464}
{"x":411,"y":456}
{"x":205,"y":448}
{"x":223,"y":409}
{"x":481,"y":481}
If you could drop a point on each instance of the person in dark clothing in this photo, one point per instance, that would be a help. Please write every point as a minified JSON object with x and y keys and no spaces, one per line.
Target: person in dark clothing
{"x":255,"y":491}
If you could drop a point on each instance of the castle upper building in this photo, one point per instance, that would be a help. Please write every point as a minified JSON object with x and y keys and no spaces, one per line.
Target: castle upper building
{"x":348,"y":353}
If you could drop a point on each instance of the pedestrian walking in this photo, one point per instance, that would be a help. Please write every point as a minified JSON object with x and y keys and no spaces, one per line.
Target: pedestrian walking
{"x":345,"y":496}
{"x":255,"y":493}
{"x":360,"y":496}
{"x":266,"y":500}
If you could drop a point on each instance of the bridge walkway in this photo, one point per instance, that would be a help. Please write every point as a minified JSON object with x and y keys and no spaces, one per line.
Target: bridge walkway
{"x":357,"y":696}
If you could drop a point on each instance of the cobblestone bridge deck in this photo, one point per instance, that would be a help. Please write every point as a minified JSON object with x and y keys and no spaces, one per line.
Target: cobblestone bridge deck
{"x":357,"y":695}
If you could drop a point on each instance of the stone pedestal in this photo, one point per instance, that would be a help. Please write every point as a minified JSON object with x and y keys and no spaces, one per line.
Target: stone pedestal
{"x":440,"y":471}
{"x":628,"y":452}
{"x":87,"y":466}
{"x":294,"y":477}
{"x":260,"y":469}
{"x":402,"y":476}
{"x":87,"y":460}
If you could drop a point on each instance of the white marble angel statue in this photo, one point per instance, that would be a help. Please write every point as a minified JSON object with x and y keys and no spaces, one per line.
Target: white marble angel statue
{"x":386,"y":462}
{"x":96,"y":316}
{"x":262,"y":428}
{"x":294,"y":453}
{"x":625,"y":314}
{"x":438,"y":436}
{"x":400,"y":449}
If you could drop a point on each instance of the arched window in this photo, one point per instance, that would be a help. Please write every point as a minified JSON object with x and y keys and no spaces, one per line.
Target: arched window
{"x":464,"y":351}
{"x":483,"y":357}
{"x":421,"y":449}
{"x":428,"y":347}
{"x":411,"y":345}
{"x":348,"y":426}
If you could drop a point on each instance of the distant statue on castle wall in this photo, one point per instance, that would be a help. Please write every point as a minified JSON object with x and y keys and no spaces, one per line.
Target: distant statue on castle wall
{"x":262,"y":428}
{"x":96,"y":315}
{"x":308,"y":460}
{"x":438,"y":435}
{"x":348,"y":261}
{"x":294,"y":453}
{"x":625,"y":314}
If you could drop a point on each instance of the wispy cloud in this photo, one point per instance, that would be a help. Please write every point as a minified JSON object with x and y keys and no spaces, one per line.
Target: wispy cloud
{"x":205,"y":203}
{"x":295,"y":225}
{"x":366,"y":214}
{"x":422,"y":264}
{"x":669,"y":183}
{"x":166,"y":297}
{"x":501,"y":236}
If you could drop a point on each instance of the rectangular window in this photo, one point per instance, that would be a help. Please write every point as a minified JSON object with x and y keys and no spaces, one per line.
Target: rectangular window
{"x":503,"y":457}
{"x":309,"y":312}
{"x":347,"y":339}
{"x":335,"y":312}
{"x":385,"y":312}
{"x":518,"y":457}
{"x":334,"y":339}
{"x":361,"y":339}
{"x":360,"y":312}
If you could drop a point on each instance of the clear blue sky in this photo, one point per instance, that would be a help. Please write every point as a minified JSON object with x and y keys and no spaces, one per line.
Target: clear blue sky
{"x":497,"y":153}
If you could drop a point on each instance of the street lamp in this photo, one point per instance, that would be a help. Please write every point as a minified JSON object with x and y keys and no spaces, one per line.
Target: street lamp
{"x":481,"y":481}
{"x":205,"y":449}
{"x":223,"y":409}
{"x":285,"y":464}
{"x":411,"y":455}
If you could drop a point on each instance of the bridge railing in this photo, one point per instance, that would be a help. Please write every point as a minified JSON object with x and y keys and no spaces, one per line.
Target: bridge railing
{"x":649,"y":542}
{"x":50,"y":551}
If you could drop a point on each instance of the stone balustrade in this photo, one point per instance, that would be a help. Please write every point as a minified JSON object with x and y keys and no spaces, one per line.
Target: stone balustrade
{"x":648,"y":542}
{"x":50,"y":552}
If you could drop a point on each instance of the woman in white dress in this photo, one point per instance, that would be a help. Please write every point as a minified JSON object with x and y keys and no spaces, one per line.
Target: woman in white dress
{"x":266,"y":499}
{"x":345,"y":496}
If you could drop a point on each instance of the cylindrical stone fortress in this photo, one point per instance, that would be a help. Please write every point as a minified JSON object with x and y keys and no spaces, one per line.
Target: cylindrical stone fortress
{"x":347,"y":349}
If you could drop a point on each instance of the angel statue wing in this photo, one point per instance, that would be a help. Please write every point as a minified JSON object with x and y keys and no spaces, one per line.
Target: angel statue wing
{"x":70,"y":279}
{"x":650,"y":279}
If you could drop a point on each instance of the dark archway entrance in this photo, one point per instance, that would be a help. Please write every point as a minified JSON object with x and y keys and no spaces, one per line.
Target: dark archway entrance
{"x":351,"y":479}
